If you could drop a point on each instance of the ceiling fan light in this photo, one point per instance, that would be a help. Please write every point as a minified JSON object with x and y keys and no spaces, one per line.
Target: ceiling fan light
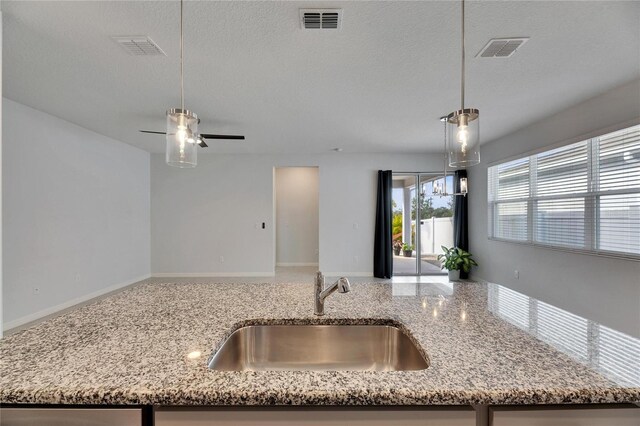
{"x":182,"y":130}
{"x":463,"y":138}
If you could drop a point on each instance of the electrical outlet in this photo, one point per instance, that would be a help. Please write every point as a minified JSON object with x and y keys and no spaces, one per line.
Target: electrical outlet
{"x":35,"y":290}
{"x":356,"y":259}
{"x":355,"y":226}
{"x":516,"y":274}
{"x":77,"y":278}
{"x":221,"y":259}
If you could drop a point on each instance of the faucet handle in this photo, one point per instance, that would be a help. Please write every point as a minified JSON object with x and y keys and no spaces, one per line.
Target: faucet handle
{"x":343,"y":285}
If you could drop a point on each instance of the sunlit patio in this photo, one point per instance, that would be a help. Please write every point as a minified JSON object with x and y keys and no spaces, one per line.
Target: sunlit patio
{"x":407,"y":265}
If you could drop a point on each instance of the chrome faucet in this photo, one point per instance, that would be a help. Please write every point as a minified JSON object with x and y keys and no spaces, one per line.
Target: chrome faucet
{"x":342,"y":285}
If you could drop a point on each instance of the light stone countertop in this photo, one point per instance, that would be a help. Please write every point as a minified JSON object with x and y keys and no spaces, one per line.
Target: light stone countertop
{"x":486,"y":345}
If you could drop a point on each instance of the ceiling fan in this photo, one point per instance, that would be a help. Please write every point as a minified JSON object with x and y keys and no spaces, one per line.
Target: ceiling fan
{"x":201,"y":137}
{"x":182,"y":125}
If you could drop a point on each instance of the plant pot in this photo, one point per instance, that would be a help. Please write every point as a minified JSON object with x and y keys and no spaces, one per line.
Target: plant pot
{"x":396,"y":252}
{"x":454,"y":275}
{"x":407,"y":253}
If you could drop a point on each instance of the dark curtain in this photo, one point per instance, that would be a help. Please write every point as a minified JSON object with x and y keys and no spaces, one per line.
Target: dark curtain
{"x":460,"y":217}
{"x":382,"y":250}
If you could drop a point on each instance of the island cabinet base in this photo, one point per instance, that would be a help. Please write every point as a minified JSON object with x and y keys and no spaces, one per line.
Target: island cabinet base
{"x":483,"y":415}
{"x":316,"y":416}
{"x":54,"y":416}
{"x":624,"y":415}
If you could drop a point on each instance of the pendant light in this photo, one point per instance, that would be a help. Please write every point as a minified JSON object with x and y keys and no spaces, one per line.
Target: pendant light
{"x":463,"y":144}
{"x":182,"y":124}
{"x":441,"y":190}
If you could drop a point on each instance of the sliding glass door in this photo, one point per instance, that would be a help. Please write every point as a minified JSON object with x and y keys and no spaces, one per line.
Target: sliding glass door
{"x":403,"y":225}
{"x":422,"y":223}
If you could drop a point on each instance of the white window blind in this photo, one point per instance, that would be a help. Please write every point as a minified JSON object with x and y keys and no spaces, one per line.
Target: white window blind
{"x":561,"y":180}
{"x":618,"y":204}
{"x":584,"y":196}
{"x":508,"y":194}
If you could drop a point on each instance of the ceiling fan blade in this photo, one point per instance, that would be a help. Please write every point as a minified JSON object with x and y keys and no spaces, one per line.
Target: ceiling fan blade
{"x":202,"y":144}
{"x":203,"y":135}
{"x":210,"y":136}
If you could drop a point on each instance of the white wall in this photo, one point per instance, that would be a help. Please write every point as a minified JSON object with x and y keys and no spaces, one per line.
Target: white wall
{"x":297,"y":216}
{"x":216,"y":209}
{"x":604,"y":289}
{"x":1,"y":311}
{"x":76,"y":214}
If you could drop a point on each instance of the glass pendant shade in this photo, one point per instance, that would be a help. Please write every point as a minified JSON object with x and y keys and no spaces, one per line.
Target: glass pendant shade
{"x":464,"y":186}
{"x":436,"y":188}
{"x":182,"y":138}
{"x":463,"y":138}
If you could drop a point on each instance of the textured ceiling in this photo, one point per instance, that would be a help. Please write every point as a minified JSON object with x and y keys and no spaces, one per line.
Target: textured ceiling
{"x":378,"y":85}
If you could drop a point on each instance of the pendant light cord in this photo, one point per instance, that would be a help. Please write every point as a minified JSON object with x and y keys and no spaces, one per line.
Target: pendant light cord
{"x":181,"y":60}
{"x":463,"y":55}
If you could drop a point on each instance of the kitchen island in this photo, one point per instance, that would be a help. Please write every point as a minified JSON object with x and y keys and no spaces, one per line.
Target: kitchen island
{"x":486,"y":345}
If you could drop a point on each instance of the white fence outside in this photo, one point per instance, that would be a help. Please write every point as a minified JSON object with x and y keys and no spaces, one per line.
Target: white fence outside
{"x":434,"y":233}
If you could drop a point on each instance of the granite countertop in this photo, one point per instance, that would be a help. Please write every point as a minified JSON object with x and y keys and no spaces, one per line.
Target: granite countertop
{"x":486,"y":345}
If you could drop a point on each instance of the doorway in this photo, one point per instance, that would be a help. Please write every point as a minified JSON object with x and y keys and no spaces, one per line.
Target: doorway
{"x":296,"y":218}
{"x":422,"y":222}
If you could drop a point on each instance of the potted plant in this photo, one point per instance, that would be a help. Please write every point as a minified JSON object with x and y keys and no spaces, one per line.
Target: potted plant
{"x":397,"y":246}
{"x":407,"y":250}
{"x":454,"y":260}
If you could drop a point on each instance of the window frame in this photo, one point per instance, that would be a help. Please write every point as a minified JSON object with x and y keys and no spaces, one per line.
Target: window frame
{"x":591,"y":197}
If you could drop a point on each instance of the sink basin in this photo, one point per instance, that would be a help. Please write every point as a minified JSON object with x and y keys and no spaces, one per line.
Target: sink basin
{"x":318,"y":348}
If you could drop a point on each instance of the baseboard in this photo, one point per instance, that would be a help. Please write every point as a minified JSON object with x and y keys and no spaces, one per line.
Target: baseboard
{"x":297,"y":264}
{"x":70,"y":304}
{"x":348,"y":274}
{"x":210,"y":274}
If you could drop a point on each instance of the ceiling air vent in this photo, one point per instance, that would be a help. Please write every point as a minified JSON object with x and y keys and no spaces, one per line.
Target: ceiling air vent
{"x":320,"y":19}
{"x":501,"y":47}
{"x":139,"y":45}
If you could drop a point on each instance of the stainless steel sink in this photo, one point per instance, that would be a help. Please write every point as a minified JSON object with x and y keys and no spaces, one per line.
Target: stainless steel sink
{"x":318,"y":347}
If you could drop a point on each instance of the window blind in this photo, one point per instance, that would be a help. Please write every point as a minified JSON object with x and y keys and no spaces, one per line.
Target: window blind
{"x":509,"y":190}
{"x":618,"y":185}
{"x":583,"y":196}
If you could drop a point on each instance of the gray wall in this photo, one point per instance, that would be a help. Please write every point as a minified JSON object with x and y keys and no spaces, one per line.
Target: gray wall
{"x":75,"y":214}
{"x":604,"y":289}
{"x":297,"y":216}
{"x":1,"y":297}
{"x":216,"y":209}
